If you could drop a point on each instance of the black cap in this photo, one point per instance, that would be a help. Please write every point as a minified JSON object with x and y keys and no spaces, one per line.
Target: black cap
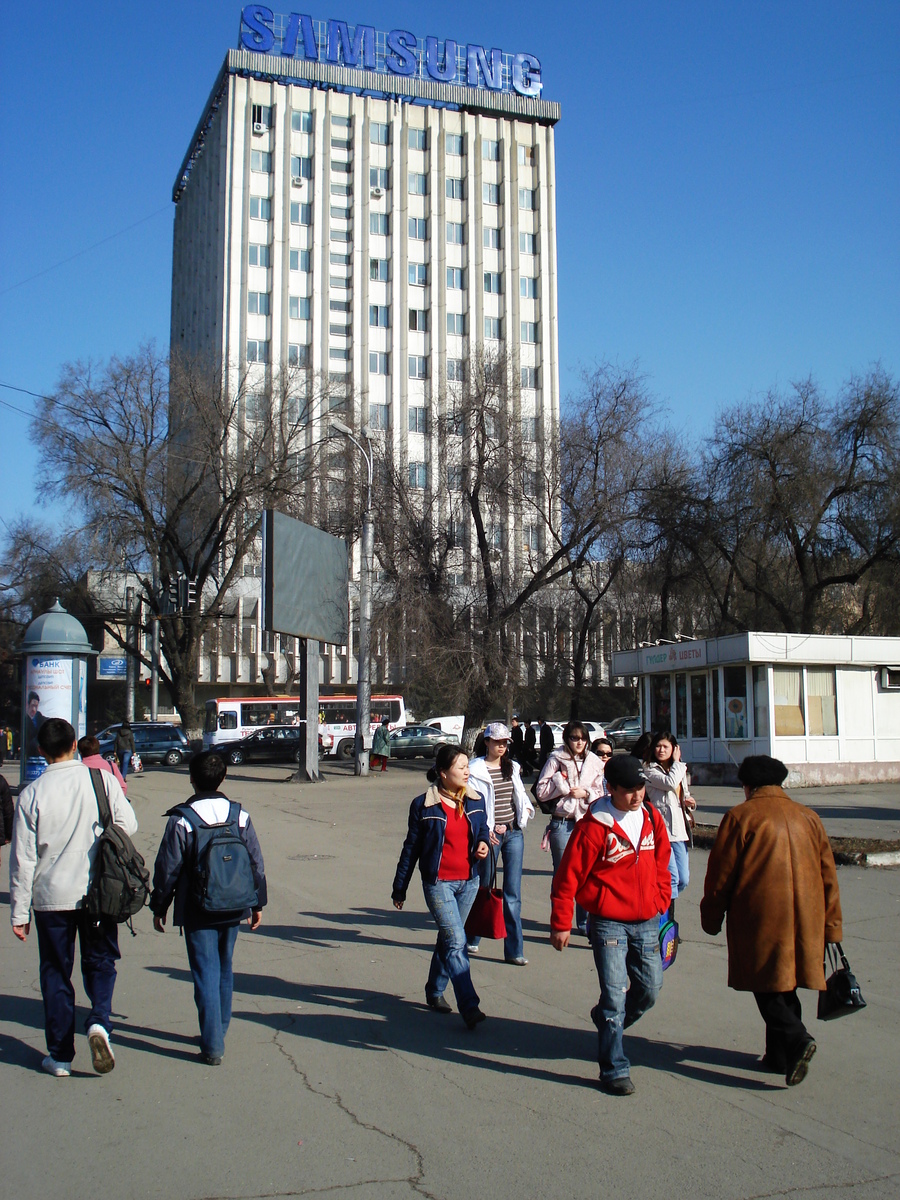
{"x":625,"y":772}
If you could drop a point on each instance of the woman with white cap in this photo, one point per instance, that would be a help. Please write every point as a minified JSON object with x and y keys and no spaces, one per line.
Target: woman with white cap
{"x":498,"y":780}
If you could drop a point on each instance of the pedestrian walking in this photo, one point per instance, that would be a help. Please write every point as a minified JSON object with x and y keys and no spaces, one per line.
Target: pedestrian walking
{"x":498,"y":780}
{"x":573,"y":777}
{"x":771,"y":875}
{"x":381,"y":744}
{"x":530,"y":749}
{"x":546,"y":743}
{"x":124,"y":747}
{"x":55,"y":834}
{"x":667,"y":790}
{"x":517,"y":742}
{"x":7,"y":812}
{"x":89,"y":751}
{"x":617,"y":863}
{"x":447,"y":835}
{"x":209,"y":842}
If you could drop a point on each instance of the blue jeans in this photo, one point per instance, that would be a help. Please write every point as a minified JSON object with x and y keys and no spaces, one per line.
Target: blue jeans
{"x":209,"y":953}
{"x":511,"y":851}
{"x":629,"y":968}
{"x":125,"y":763}
{"x":99,"y":942}
{"x":679,"y":868}
{"x":560,"y":832}
{"x":449,"y":902}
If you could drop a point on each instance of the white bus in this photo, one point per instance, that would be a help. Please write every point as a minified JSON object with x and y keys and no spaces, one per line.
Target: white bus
{"x":230,"y":717}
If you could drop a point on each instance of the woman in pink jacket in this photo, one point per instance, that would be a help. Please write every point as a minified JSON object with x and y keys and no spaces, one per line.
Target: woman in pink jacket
{"x":574,"y":778}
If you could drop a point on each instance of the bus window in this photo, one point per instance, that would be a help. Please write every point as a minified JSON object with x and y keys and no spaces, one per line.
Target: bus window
{"x":395,"y":710}
{"x":228,"y":720}
{"x":210,"y":723}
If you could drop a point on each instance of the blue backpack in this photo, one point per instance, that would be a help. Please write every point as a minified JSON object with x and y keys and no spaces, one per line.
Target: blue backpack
{"x":221,"y":873}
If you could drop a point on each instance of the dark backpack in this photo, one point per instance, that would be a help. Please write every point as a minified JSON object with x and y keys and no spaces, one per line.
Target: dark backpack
{"x":120,"y":882}
{"x":221,"y":872}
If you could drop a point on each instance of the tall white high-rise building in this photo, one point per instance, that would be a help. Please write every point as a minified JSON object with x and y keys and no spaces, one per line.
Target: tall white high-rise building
{"x":380,"y":209}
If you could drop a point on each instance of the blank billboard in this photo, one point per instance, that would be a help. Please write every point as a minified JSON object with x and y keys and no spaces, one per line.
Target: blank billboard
{"x":305,"y":576}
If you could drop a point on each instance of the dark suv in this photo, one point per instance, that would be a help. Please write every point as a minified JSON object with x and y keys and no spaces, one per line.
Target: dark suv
{"x":159,"y":742}
{"x":624,"y":732}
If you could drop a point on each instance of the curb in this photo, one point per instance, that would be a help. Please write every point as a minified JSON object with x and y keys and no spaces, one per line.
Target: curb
{"x":704,"y":838}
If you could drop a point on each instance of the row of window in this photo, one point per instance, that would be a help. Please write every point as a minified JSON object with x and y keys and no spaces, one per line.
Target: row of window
{"x":380,"y":317}
{"x":259,"y":352}
{"x":417,"y":275}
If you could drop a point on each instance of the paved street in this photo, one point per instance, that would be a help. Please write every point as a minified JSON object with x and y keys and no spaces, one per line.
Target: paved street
{"x":338,"y":1080}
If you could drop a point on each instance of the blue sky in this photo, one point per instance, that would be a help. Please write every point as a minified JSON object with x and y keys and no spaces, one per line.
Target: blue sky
{"x":728,"y":180}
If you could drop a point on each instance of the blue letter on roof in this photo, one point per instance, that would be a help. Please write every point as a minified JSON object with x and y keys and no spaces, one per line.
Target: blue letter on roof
{"x":403,"y":60}
{"x":257,"y":36}
{"x":493,"y":75}
{"x":299,"y":24}
{"x":432,"y":61}
{"x":340,"y":46}
{"x":526,"y":75}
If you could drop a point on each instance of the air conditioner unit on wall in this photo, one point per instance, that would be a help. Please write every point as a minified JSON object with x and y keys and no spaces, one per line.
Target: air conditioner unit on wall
{"x":296,"y":181}
{"x":258,"y":127}
{"x":377,"y":193}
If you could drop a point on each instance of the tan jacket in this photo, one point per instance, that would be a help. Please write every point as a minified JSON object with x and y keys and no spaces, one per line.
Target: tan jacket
{"x":772,"y":871}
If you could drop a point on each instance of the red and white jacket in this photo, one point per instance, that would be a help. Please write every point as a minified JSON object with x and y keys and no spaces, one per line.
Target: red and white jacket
{"x":603,"y":872}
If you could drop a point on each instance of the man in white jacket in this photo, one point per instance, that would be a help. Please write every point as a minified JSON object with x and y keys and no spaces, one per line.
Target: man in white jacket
{"x":55,"y":834}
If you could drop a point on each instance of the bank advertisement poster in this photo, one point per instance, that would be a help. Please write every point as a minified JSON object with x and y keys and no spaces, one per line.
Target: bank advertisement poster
{"x":48,"y":693}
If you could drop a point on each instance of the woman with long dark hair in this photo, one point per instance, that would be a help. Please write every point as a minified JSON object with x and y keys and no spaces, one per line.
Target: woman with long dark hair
{"x":667,"y":790}
{"x":448,"y":834}
{"x":498,"y":780}
{"x":574,"y":778}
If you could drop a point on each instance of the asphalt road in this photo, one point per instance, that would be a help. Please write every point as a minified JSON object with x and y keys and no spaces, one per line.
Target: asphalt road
{"x":338,"y":1081}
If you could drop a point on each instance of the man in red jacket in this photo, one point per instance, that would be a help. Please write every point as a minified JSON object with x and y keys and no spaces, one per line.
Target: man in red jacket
{"x":616,"y":865}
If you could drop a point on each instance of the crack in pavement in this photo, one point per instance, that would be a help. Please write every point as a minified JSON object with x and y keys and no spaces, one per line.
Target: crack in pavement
{"x":824,"y":1187}
{"x":414,"y":1181}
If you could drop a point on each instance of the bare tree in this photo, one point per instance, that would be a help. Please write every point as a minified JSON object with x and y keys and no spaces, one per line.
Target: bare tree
{"x":169,"y":469}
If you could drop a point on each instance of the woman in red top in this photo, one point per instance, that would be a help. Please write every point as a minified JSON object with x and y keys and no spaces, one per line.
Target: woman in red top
{"x":448,"y":833}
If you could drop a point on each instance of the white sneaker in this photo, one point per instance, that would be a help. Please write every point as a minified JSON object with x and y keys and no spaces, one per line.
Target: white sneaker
{"x":101,"y":1052}
{"x":52,"y":1067}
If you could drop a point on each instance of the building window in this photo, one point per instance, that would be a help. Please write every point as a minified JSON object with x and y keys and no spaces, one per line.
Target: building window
{"x":301,"y":168}
{"x":341,"y":189}
{"x":456,"y":188}
{"x":456,"y":278}
{"x":493,"y":282}
{"x":340,"y":330}
{"x":298,"y":355}
{"x":339,"y":353}
{"x":530,"y":484}
{"x":379,"y":134}
{"x":299,"y":260}
{"x":379,"y":223}
{"x":260,"y":208}
{"x":418,"y":368}
{"x":342,"y":306}
{"x":528,"y":287}
{"x":257,"y":352}
{"x":343,"y":122}
{"x":455,"y":144}
{"x":261,"y":160}
{"x":493,"y":327}
{"x":456,"y":323}
{"x":296,"y":408}
{"x":821,"y":702}
{"x":338,"y":281}
{"x":379,"y":416}
{"x":455,"y":370}
{"x":379,"y":269}
{"x":418,"y":475}
{"x":456,"y":234}
{"x":526,"y":156}
{"x":380,"y":315}
{"x":492,"y":238}
{"x":530,"y":331}
{"x":298,"y":308}
{"x":338,"y":143}
{"x":341,"y":168}
{"x":258,"y":302}
{"x":490,"y":151}
{"x":342,"y":214}
{"x":529,"y":379}
{"x":379,"y":177}
{"x":455,"y":478}
{"x":529,"y":429}
{"x":418,"y":229}
{"x":258,"y":255}
{"x":379,"y":364}
{"x":531,"y":538}
{"x":527,"y":243}
{"x":301,"y":122}
{"x":255,"y":406}
{"x":490,"y":193}
{"x":339,"y":260}
{"x":527,"y":199}
{"x":418,"y":274}
{"x":417,"y":184}
{"x":418,"y":416}
{"x":418,"y":139}
{"x":340,"y":235}
{"x":301,"y":214}
{"x":418,"y":320}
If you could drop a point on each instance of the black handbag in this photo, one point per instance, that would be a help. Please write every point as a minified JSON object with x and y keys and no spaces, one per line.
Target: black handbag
{"x":842,"y":993}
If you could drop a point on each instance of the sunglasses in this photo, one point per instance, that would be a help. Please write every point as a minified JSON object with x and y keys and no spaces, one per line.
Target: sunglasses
{"x":604,"y":754}
{"x":576,"y":737}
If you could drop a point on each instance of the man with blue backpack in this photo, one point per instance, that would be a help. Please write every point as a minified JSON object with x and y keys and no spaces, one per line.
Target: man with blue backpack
{"x":210,"y":862}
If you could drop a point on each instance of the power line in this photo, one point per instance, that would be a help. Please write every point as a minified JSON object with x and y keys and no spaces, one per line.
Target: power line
{"x":80,"y":253}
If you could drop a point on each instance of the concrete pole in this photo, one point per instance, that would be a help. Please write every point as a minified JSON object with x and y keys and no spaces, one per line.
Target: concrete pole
{"x":129,"y":653}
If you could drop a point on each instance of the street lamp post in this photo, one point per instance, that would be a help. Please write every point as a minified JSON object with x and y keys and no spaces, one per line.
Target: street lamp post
{"x":364,"y":681}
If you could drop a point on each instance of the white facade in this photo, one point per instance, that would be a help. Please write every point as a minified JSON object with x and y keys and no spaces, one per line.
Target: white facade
{"x":827,"y":706}
{"x":379,"y":240}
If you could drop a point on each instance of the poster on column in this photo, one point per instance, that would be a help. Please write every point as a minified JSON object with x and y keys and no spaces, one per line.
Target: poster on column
{"x":48,"y":693}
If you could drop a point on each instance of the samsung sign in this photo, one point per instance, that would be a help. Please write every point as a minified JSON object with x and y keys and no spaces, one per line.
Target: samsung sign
{"x":396,"y":53}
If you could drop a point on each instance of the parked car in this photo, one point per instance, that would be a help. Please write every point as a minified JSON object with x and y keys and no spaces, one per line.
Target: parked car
{"x":624,"y":732}
{"x":270,"y":743}
{"x":159,"y":742}
{"x":595,"y":729}
{"x":420,"y":741}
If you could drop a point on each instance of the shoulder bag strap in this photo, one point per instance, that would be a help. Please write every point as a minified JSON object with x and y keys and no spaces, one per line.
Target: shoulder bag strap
{"x":102,"y":799}
{"x":234,"y":814}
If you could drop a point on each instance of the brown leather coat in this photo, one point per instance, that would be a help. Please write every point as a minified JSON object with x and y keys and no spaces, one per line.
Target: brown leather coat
{"x":772,"y":871}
